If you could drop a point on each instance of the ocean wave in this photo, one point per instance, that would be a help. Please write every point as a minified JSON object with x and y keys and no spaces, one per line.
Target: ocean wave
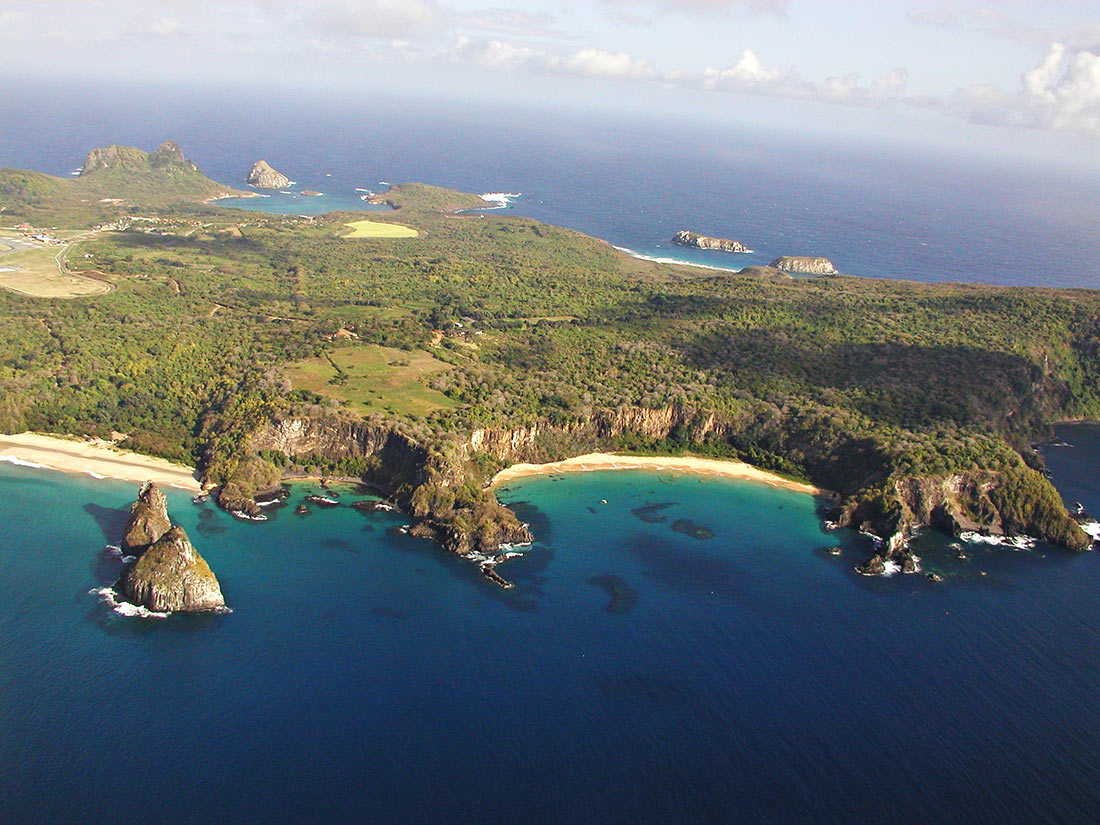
{"x":889,"y":568}
{"x":94,"y":474}
{"x":1012,"y":542}
{"x":361,"y":189}
{"x":657,"y":260}
{"x":502,"y":199}
{"x":109,"y":596}
{"x":21,"y":463}
{"x":1092,"y":528}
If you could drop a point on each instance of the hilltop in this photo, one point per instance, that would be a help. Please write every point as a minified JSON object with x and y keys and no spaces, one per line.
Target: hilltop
{"x":113,"y":181}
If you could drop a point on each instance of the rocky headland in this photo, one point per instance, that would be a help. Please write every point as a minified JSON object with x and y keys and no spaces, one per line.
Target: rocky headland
{"x":804,"y":265}
{"x":168,"y":575}
{"x":441,"y":480}
{"x":262,"y":176}
{"x":694,"y":239}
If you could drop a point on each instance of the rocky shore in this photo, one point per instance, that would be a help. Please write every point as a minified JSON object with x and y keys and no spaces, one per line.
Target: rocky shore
{"x":694,"y":239}
{"x":804,"y":265}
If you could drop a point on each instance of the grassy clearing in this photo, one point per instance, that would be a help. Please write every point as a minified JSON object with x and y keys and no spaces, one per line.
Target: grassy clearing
{"x":378,"y":229}
{"x":37,"y":273}
{"x":374,"y":379}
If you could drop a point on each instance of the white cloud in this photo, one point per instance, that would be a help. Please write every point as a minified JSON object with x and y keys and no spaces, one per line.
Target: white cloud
{"x":749,"y":75}
{"x":587,"y":62}
{"x":1062,"y":92}
{"x":602,"y":63}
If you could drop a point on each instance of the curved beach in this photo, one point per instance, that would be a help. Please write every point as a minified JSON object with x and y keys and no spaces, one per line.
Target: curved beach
{"x":690,"y":464}
{"x":95,"y":459}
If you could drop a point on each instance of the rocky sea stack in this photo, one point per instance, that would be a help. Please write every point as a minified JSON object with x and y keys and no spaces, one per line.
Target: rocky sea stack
{"x":685,"y":238}
{"x":169,"y":575}
{"x":263,"y":176}
{"x":804,"y":265}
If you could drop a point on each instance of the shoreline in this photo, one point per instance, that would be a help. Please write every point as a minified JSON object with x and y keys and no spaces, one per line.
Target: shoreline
{"x":592,"y":462}
{"x":65,"y":455}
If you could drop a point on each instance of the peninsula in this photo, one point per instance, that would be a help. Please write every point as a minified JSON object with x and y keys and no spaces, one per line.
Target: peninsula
{"x":427,"y":357}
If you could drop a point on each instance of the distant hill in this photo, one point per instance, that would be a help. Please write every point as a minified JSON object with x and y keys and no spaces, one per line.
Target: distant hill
{"x":114,"y":179}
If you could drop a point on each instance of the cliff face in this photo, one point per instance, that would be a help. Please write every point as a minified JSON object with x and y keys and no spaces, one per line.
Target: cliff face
{"x":804,"y":265}
{"x":264,"y":177}
{"x":169,"y":574}
{"x":686,"y":238}
{"x":168,"y":154}
{"x":148,"y":520}
{"x":538,"y":443}
{"x":402,"y":461}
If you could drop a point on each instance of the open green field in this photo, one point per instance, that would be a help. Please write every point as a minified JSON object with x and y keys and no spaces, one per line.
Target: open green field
{"x":38,"y":273}
{"x":374,"y":379}
{"x":378,"y":229}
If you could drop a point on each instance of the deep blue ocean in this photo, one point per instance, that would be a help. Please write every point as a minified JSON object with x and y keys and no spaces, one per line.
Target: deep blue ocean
{"x":637,"y":673}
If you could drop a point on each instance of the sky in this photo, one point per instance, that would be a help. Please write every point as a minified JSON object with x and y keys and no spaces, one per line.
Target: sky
{"x":1017,"y":75}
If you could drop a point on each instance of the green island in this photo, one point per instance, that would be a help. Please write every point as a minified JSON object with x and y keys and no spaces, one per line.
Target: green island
{"x":259,"y":347}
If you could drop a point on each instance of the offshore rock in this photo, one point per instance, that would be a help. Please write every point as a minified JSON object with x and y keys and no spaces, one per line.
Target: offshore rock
{"x":148,"y":520}
{"x":263,"y":176}
{"x":874,"y":566}
{"x":686,"y":238}
{"x":171,"y":576}
{"x":804,"y":265}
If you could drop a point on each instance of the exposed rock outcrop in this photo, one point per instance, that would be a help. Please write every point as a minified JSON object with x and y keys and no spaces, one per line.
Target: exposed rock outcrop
{"x":148,"y":520}
{"x":169,"y":575}
{"x":263,"y":176}
{"x":168,"y":154}
{"x":686,"y":238}
{"x":804,"y":265}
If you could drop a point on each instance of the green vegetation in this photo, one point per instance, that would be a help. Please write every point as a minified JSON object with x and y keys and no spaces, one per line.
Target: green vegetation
{"x":222,"y":321}
{"x":422,"y":197}
{"x":373,"y":379}
{"x":378,"y":229}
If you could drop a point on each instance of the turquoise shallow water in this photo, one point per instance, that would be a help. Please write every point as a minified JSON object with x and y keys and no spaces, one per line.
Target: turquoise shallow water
{"x":366,"y":676}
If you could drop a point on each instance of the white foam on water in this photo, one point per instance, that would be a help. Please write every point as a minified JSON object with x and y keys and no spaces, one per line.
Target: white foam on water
{"x":108,"y":596}
{"x":1092,"y":528}
{"x":1011,"y":542}
{"x":890,"y":568}
{"x":502,"y":200}
{"x":656,"y":260}
{"x":21,"y":463}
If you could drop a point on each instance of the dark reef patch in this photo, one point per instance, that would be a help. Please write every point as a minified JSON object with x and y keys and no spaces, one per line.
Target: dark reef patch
{"x":650,"y":513}
{"x":690,"y":528}
{"x":624,"y":598}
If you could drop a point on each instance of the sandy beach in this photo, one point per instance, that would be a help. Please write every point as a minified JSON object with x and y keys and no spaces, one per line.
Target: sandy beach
{"x":689,"y":464}
{"x":99,"y":460}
